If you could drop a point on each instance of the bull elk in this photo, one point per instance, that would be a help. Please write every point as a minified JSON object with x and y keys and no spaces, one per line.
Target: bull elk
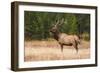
{"x":63,"y":38}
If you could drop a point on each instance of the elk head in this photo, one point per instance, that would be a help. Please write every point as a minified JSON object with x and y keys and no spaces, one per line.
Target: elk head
{"x":55,"y":29}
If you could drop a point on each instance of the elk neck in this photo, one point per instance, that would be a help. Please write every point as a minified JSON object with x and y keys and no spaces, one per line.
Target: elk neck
{"x":56,"y":35}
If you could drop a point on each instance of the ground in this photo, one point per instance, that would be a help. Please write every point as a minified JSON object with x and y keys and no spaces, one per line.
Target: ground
{"x":50,"y":50}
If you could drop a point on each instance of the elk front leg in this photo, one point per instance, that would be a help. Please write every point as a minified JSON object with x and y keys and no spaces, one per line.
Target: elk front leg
{"x":61,"y":47}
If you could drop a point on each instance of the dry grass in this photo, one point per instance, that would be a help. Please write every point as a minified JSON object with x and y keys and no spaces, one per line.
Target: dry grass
{"x":50,"y":50}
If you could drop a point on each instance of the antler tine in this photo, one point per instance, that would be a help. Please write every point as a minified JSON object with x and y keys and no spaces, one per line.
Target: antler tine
{"x":56,"y":23}
{"x":62,"y":20}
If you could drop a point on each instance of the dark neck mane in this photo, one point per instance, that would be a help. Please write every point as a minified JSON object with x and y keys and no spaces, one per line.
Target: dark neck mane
{"x":56,"y":36}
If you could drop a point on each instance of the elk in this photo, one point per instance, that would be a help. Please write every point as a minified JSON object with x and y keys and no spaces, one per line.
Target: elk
{"x":63,"y":38}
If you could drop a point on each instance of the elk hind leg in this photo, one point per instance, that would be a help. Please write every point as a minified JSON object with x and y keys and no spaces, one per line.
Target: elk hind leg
{"x":76,"y":47}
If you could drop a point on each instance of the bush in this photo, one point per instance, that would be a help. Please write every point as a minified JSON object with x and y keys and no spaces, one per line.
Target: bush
{"x":86,"y":36}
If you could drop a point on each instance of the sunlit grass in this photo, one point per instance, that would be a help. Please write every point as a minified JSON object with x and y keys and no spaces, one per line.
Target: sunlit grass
{"x":50,"y":50}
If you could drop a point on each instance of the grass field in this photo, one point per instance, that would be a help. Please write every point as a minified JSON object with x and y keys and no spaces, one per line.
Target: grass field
{"x":50,"y":50}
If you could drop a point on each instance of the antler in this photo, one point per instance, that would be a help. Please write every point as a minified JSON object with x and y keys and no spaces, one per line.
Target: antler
{"x":57,"y":22}
{"x":62,"y":21}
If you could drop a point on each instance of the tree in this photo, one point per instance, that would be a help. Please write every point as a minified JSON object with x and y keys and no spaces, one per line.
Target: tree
{"x":38,"y":24}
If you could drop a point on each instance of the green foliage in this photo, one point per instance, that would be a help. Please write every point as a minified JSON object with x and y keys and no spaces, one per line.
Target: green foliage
{"x":38,"y":24}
